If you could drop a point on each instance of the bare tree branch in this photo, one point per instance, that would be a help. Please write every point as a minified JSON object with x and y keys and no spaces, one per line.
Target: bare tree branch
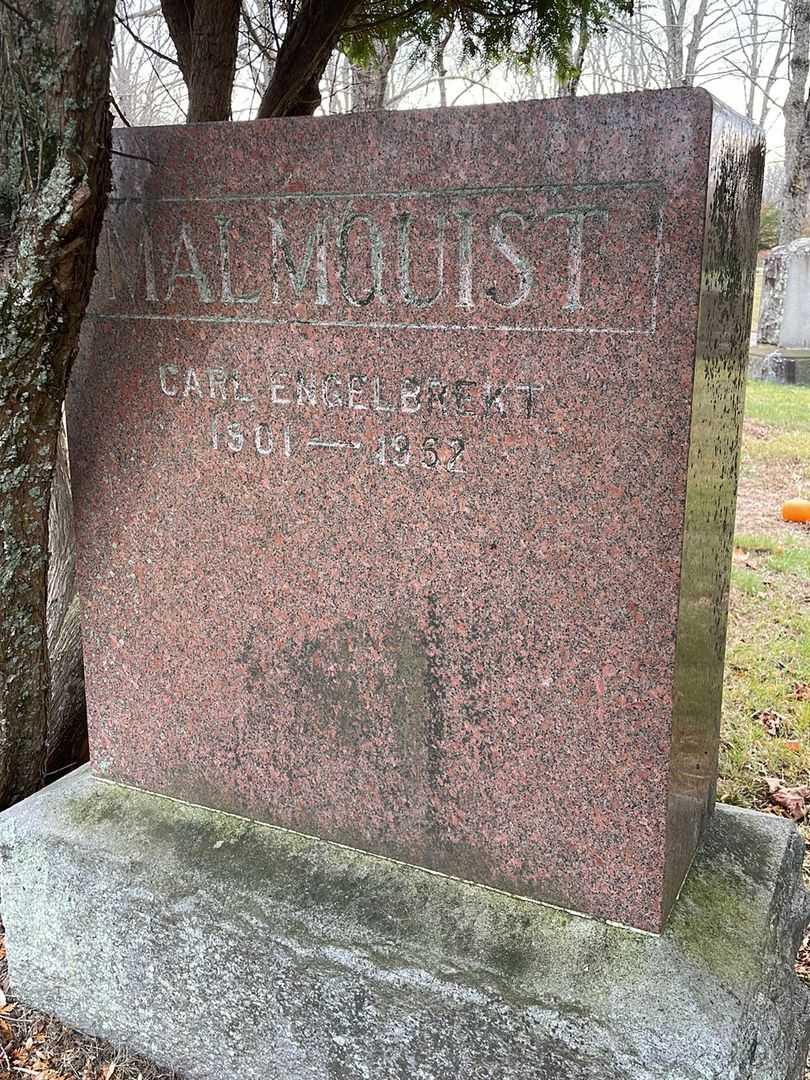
{"x":144,"y":44}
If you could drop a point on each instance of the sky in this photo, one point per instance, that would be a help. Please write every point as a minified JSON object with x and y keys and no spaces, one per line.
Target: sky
{"x":738,"y":37}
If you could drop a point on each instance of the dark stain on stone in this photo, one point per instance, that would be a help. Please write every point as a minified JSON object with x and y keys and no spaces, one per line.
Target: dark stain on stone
{"x":511,"y":958}
{"x":410,"y":694}
{"x":325,"y":670}
{"x":435,"y":715}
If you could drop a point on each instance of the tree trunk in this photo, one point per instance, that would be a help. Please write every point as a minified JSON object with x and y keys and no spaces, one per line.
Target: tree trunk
{"x":67,"y":712}
{"x":370,"y":80}
{"x":673,"y":30}
{"x":55,"y":131}
{"x":797,"y":128}
{"x":294,"y":89}
{"x":576,"y":61}
{"x":441,"y":66}
{"x":179,"y":16}
{"x":695,"y":42}
{"x":795,"y":200}
{"x":205,"y":35}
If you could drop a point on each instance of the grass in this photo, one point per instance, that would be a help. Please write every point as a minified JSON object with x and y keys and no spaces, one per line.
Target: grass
{"x":767,"y":670}
{"x":766,"y":707}
{"x":789,"y":447}
{"x":765,"y":731}
{"x":747,"y":581}
{"x":766,"y":702}
{"x":786,"y":409}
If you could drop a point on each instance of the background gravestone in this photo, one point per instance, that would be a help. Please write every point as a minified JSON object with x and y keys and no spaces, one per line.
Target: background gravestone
{"x":784,"y":318}
{"x":404,"y":457}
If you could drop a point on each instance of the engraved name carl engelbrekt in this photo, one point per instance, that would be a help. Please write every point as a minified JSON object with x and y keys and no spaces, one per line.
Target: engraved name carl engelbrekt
{"x":386,"y":260}
{"x":311,"y":395}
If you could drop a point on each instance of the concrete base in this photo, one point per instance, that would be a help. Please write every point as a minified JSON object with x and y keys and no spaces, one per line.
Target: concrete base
{"x":230,"y":949}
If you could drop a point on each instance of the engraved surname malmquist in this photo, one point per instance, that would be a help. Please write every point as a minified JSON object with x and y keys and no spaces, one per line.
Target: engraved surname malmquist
{"x":485,"y":257}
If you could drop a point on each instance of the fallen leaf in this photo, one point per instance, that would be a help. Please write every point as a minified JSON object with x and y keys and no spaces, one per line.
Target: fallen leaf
{"x":109,"y":1071}
{"x":792,"y":799}
{"x":771,"y":720}
{"x":801,"y":691}
{"x":793,"y":744}
{"x":803,"y":959}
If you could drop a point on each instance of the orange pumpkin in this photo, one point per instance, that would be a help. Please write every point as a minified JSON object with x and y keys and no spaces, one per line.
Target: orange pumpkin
{"x":796,"y":510}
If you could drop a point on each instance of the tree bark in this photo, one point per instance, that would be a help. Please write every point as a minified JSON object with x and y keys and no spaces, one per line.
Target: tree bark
{"x":214,"y":42}
{"x":797,"y":128}
{"x":695,"y":42}
{"x":370,"y":81}
{"x":205,"y":35}
{"x":673,"y":30}
{"x":576,"y":60}
{"x":56,"y":128}
{"x":179,"y":16}
{"x":67,"y":712}
{"x":441,"y":67}
{"x":294,"y":89}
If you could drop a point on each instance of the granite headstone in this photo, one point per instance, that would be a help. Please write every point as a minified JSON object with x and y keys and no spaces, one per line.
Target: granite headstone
{"x":404,"y":460}
{"x":404,"y":454}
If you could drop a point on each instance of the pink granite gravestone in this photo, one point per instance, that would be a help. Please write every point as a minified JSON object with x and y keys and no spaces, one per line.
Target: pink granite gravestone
{"x":404,"y":460}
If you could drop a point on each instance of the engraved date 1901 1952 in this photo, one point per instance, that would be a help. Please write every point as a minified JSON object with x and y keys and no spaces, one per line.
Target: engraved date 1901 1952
{"x":400,"y":451}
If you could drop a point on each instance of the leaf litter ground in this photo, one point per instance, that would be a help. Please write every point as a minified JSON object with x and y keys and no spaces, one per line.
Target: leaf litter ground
{"x":34,"y":1045}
